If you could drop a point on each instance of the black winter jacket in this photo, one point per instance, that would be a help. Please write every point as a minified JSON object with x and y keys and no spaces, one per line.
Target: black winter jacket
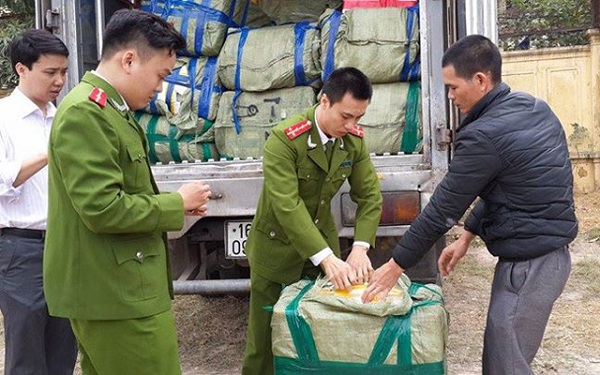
{"x":511,"y":151}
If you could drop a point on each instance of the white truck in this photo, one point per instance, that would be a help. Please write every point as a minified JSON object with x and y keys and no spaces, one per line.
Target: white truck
{"x":207,"y":255}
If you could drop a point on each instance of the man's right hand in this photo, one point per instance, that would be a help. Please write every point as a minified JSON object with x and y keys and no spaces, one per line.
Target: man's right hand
{"x":339,"y":272}
{"x":195,"y":197}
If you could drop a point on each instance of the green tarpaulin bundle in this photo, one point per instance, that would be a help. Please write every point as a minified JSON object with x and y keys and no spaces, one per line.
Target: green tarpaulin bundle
{"x":381,"y":42}
{"x":167,"y":143}
{"x":320,"y":331}
{"x":281,"y":11}
{"x":190,"y":93}
{"x":392,"y":122}
{"x":203,"y":23}
{"x":256,"y":113}
{"x":270,"y":57}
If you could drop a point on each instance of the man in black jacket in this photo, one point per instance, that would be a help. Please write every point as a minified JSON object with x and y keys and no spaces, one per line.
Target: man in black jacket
{"x":511,"y":151}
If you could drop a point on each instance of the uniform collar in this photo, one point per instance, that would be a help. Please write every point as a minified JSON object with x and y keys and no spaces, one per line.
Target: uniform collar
{"x":114,"y":97}
{"x":324,"y":138}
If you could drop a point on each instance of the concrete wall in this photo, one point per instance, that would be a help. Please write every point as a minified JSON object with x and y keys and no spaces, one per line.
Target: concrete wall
{"x":569,"y":80}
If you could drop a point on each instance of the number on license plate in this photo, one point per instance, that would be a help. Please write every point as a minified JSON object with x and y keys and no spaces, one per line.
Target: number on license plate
{"x":236,"y":235}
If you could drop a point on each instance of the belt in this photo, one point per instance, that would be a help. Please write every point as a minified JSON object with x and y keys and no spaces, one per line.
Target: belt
{"x":26,"y":233}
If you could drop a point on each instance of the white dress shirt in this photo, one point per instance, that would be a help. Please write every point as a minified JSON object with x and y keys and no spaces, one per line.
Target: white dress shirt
{"x":318,"y":257}
{"x":24,"y":133}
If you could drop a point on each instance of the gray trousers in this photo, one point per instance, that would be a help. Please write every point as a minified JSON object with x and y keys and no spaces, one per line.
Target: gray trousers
{"x":35,"y":342}
{"x":523,"y":294}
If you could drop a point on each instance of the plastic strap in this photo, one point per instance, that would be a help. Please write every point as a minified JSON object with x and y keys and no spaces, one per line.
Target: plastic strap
{"x":299,"y":36}
{"x":334,"y":26}
{"x":206,"y":153}
{"x":151,"y":136}
{"x":238,"y":90}
{"x":300,"y":330}
{"x":174,"y":144}
{"x":292,"y":366}
{"x":207,"y":87}
{"x":411,"y":119}
{"x":410,"y":15}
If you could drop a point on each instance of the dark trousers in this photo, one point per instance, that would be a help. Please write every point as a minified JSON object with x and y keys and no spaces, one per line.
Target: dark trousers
{"x":35,"y":342}
{"x":523,"y":294}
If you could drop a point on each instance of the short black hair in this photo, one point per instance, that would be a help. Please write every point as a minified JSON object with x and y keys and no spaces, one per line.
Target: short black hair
{"x":347,"y":80}
{"x":144,"y":31}
{"x":472,"y":54}
{"x":28,"y":47}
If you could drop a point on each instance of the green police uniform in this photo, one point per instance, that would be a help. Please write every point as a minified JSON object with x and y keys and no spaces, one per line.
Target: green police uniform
{"x":106,"y":258}
{"x":293,"y":220}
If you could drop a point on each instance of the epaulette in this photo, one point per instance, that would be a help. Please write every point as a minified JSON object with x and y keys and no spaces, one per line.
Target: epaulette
{"x":357,"y":131}
{"x":297,"y":129}
{"x":99,"y":97}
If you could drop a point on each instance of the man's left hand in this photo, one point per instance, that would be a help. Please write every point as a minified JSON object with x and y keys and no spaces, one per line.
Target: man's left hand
{"x":360,"y":263}
{"x":382,"y":281}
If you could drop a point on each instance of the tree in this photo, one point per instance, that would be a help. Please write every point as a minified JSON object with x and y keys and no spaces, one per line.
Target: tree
{"x":544,"y":23}
{"x":16,"y":16}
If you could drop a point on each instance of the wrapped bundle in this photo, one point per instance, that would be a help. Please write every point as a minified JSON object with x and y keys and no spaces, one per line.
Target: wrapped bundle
{"x":284,"y":11}
{"x":167,"y":143}
{"x":203,"y":23}
{"x":393,"y":119}
{"x":404,"y":334}
{"x":349,"y":4}
{"x":255,"y":114}
{"x":190,"y":93}
{"x":382,"y":42}
{"x":270,"y":57}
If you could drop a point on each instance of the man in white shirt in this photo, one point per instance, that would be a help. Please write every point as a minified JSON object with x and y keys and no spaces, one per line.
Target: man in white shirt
{"x":35,"y":342}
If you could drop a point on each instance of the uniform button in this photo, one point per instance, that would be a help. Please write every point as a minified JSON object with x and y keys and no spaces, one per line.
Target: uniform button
{"x":322,"y":202}
{"x":140,"y":156}
{"x":307,"y":176}
{"x":328,"y":179}
{"x":343,"y":175}
{"x":272,"y":234}
{"x":139,"y":255}
{"x":316,"y":221}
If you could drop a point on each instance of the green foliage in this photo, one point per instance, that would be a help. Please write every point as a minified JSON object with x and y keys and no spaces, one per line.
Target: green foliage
{"x":16,"y":16}
{"x":544,"y":23}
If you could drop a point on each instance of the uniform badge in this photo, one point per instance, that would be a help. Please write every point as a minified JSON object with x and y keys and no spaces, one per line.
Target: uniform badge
{"x":297,"y":129}
{"x":99,"y":97}
{"x":357,"y":131}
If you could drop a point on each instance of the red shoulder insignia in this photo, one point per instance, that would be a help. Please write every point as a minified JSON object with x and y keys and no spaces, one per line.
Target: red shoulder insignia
{"x":357,"y":131}
{"x":99,"y":97}
{"x":297,"y":129}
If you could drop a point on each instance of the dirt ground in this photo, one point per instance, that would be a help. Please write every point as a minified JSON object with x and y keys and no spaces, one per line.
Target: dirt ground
{"x":212,"y":329}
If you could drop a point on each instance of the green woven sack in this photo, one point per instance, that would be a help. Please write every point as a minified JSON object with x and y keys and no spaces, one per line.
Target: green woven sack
{"x":190,"y":93}
{"x":270,"y":57}
{"x":392,"y":123}
{"x":167,"y":143}
{"x":381,"y":42}
{"x":318,"y":331}
{"x":256,"y":114}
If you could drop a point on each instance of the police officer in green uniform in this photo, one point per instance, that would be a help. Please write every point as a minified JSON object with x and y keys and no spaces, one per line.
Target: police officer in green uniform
{"x":306,"y":160}
{"x":106,"y":263}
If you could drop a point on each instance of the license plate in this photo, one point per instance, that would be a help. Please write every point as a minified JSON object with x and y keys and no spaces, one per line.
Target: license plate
{"x":236,"y":235}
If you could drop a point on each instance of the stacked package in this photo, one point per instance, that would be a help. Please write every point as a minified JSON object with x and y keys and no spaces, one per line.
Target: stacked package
{"x":384,"y":44}
{"x":271,"y":72}
{"x":178,"y":120}
{"x":319,"y":330}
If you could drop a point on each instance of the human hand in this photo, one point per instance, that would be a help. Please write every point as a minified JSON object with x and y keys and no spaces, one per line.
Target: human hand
{"x":382,"y":281}
{"x":360,"y":263}
{"x":339,"y":272}
{"x":451,"y":255}
{"x":195,"y":197}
